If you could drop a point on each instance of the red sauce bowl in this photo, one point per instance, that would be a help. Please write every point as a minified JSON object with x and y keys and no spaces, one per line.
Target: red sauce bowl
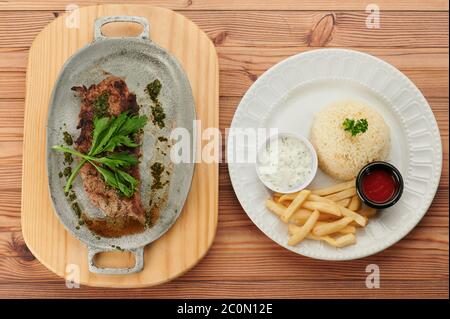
{"x":379,"y":185}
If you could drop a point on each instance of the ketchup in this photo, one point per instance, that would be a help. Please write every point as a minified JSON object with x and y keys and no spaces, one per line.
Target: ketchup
{"x":379,"y":185}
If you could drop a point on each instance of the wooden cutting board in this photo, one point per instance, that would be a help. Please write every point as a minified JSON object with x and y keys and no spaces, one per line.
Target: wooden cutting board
{"x":192,"y":235}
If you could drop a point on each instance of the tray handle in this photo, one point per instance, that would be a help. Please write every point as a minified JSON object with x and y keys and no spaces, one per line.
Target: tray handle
{"x":138,"y":265}
{"x":110,"y":19}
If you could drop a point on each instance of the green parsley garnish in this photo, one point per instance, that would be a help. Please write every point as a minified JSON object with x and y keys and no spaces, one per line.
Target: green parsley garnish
{"x":355,"y":127}
{"x":108,"y":134}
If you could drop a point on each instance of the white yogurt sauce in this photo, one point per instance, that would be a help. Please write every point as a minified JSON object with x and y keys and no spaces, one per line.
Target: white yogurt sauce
{"x":285,"y":162}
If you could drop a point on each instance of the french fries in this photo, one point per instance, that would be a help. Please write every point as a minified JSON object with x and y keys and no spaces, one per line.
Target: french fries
{"x":345,"y":240}
{"x":329,"y":240}
{"x":355,"y":203}
{"x":323,"y":207}
{"x":347,"y":193}
{"x":317,"y":198}
{"x":330,"y":215}
{"x":304,"y":230}
{"x":300,"y":216}
{"x":359,"y":219}
{"x":292,"y":228}
{"x":348,"y":230}
{"x":334,"y":189}
{"x":296,"y":203}
{"x":330,"y":228}
{"x":287,"y":197}
{"x":275,"y":208}
{"x":368,"y":212}
{"x":344,"y":202}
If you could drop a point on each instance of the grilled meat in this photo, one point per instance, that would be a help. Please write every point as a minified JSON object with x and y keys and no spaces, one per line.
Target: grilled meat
{"x":110,"y":97}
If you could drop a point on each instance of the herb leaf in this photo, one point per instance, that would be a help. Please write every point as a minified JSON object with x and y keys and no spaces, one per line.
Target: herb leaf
{"x":133,"y":124}
{"x":355,"y":127}
{"x":100,"y":125}
{"x":115,"y":132}
{"x":119,"y":140}
{"x":124,"y":176}
{"x":118,"y":161}
{"x":108,"y":134}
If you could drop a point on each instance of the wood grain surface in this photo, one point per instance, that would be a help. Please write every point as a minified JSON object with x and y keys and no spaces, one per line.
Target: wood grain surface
{"x":250,"y":36}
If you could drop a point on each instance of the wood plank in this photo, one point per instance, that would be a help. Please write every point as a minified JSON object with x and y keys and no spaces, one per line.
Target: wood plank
{"x":238,"y":289}
{"x":13,"y":245}
{"x":279,"y":28}
{"x":13,"y":59}
{"x":235,"y":5}
{"x":11,"y":120}
{"x":332,"y":29}
{"x":432,"y":82}
{"x":10,"y":210}
{"x":247,"y":252}
{"x":12,"y":85}
{"x":10,"y":175}
{"x":26,"y":24}
{"x":11,"y":151}
{"x":262,"y":58}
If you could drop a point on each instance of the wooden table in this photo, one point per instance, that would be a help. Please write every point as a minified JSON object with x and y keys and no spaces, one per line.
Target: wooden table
{"x":250,"y":37}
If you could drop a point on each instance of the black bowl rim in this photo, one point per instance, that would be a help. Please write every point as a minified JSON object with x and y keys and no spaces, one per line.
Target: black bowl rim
{"x":394,"y":198}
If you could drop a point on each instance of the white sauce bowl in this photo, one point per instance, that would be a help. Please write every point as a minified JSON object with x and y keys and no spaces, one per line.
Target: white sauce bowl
{"x":296,"y":187}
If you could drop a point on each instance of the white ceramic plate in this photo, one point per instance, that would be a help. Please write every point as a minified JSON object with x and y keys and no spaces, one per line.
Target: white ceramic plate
{"x":291,"y":92}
